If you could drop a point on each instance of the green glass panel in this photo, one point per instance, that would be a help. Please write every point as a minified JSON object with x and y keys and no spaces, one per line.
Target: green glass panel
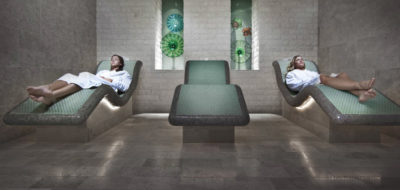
{"x":240,"y":52}
{"x":175,"y":22}
{"x":172,"y":45}
{"x":172,"y":34}
{"x":241,"y":36}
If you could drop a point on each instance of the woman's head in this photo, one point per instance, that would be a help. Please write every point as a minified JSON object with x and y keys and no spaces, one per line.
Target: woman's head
{"x":296,"y":63}
{"x":117,"y":62}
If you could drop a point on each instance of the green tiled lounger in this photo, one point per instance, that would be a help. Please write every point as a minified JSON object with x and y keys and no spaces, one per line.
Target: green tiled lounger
{"x":78,"y":117}
{"x":207,"y":106}
{"x":337,"y":115}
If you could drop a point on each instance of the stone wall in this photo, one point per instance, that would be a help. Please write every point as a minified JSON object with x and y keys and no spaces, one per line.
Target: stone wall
{"x":40,"y":41}
{"x":361,"y":37}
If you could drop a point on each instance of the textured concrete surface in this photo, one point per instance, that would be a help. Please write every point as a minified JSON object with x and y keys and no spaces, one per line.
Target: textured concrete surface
{"x":361,"y":37}
{"x":101,"y":119}
{"x":40,"y":41}
{"x":208,"y":134}
{"x":145,"y":152}
{"x":281,"y":28}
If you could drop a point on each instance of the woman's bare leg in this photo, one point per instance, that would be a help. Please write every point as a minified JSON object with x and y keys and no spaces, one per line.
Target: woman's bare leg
{"x":57,"y":85}
{"x":363,"y":95}
{"x":342,"y":83}
{"x":45,"y":90}
{"x":49,"y":98}
{"x":67,"y":90}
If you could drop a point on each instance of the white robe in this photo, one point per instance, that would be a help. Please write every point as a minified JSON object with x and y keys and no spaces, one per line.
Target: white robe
{"x":298,"y":79}
{"x":121,"y":79}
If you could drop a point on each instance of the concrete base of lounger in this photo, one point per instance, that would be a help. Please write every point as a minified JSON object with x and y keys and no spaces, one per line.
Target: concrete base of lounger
{"x":311,"y":117}
{"x":392,"y":131}
{"x":8,"y":132}
{"x":103,"y":117}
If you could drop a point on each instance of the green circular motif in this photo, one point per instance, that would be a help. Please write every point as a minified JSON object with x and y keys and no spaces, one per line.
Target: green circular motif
{"x":240,"y":51}
{"x":175,"y":22}
{"x":237,"y":23}
{"x":172,"y":45}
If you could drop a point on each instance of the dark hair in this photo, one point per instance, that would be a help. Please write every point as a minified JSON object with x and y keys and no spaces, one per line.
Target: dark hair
{"x":291,"y":65}
{"x":121,"y":60}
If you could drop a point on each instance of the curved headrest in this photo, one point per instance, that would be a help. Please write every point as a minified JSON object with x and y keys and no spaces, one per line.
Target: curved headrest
{"x":207,"y":72}
{"x":284,"y":63}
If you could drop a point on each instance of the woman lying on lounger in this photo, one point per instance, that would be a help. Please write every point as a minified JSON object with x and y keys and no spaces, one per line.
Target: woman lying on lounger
{"x":68,"y":84}
{"x":298,"y":77}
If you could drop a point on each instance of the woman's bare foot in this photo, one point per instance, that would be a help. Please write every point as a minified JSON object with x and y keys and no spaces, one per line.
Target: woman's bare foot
{"x":42,"y":99}
{"x":367,"y":84}
{"x":39,"y":90}
{"x":366,"y":95}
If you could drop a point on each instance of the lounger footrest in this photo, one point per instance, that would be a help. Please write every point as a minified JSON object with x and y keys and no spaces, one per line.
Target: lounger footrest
{"x":201,"y":105}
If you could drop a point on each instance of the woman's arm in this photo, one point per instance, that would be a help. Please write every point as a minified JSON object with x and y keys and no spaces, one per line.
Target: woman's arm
{"x":122,"y":82}
{"x":107,"y":79}
{"x":298,"y":80}
{"x":293,"y":82}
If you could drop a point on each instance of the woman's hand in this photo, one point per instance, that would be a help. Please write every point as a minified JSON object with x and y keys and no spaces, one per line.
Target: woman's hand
{"x":107,"y":79}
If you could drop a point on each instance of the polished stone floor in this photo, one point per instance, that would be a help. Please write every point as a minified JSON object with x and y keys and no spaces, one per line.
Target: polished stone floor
{"x":145,"y":152}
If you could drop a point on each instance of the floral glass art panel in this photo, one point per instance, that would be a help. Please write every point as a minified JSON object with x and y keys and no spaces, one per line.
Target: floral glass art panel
{"x":175,"y":22}
{"x":172,"y":45}
{"x":172,"y":35}
{"x":240,"y":51}
{"x":241,"y":39}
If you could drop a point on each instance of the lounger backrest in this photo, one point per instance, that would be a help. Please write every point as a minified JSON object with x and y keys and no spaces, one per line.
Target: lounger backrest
{"x":105,"y":65}
{"x":284,"y":63}
{"x":207,"y":72}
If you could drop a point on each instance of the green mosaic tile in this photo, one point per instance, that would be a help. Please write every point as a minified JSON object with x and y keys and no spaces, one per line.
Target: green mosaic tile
{"x":347,"y":103}
{"x":207,"y":72}
{"x":208,"y":100}
{"x":69,"y":105}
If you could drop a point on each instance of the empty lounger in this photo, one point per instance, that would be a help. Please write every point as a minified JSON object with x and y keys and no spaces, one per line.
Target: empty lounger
{"x":207,"y":105}
{"x":336,"y":115}
{"x":78,"y":117}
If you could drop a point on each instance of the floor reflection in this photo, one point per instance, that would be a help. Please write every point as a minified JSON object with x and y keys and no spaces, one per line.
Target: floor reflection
{"x":145,"y":152}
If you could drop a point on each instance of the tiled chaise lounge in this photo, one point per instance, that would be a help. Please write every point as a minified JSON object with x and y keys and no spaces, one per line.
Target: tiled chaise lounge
{"x":336,"y":115}
{"x":207,"y":105}
{"x":78,"y":117}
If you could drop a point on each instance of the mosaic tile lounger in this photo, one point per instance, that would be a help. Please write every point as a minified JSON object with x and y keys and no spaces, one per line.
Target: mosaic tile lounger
{"x":207,"y":105}
{"x":78,"y":117}
{"x":336,"y":115}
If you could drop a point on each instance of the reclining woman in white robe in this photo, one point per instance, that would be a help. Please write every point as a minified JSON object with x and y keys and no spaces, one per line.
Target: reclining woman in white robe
{"x":116,"y":77}
{"x":298,"y":77}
